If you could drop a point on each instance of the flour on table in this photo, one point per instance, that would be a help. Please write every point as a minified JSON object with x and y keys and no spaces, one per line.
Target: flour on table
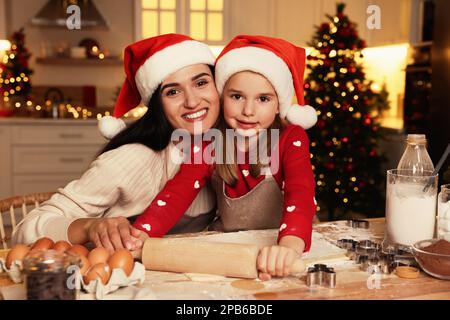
{"x":203,"y":277}
{"x":322,"y":251}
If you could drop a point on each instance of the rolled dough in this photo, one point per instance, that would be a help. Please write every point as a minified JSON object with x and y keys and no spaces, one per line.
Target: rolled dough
{"x":248,"y":284}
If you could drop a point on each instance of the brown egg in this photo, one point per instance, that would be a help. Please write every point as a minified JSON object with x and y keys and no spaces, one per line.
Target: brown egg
{"x":80,"y":250}
{"x":42,"y":244}
{"x":61,"y":246}
{"x":84,"y":264}
{"x":100,"y":271}
{"x":122,"y":259}
{"x":98,"y":255}
{"x":18,"y":252}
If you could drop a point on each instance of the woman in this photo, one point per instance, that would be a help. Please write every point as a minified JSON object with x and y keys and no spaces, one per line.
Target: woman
{"x":172,"y":75}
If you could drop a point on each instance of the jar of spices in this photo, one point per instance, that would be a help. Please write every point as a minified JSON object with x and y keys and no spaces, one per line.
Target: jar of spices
{"x":444,"y":213}
{"x":51,"y":275}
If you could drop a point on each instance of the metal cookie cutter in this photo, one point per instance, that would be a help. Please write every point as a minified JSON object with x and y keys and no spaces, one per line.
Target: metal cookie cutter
{"x":348,"y":244}
{"x":355,"y":223}
{"x":321,"y":275}
{"x":363,"y":250}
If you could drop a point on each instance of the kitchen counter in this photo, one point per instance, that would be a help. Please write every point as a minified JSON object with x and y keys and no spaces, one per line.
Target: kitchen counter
{"x":51,"y":121}
{"x":42,"y":155}
{"x":352,"y":283}
{"x":46,"y":121}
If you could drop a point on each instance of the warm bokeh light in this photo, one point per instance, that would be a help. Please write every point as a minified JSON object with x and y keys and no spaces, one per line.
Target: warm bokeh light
{"x":4,"y":45}
{"x":387,"y":65}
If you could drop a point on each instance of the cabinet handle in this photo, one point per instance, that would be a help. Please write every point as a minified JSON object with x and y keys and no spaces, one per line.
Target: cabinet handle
{"x":70,"y":136}
{"x":71,"y":160}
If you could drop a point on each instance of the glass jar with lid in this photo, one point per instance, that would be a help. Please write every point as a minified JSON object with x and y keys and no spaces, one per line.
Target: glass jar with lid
{"x":48,"y":275}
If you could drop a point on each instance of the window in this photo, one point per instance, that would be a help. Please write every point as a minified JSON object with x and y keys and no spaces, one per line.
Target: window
{"x":158,"y":17}
{"x":206,"y":20}
{"x":201,"y":19}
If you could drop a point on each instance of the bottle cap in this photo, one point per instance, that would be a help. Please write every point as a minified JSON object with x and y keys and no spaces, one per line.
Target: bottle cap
{"x":416,"y":138}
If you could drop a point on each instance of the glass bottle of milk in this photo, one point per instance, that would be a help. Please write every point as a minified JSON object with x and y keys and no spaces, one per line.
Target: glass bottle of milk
{"x":411,"y":197}
{"x":416,"y":157}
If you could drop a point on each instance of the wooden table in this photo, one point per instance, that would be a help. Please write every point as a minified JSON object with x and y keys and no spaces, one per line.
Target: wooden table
{"x":352,"y":283}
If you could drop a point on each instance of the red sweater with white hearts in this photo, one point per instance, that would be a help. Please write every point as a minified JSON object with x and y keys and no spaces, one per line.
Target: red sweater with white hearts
{"x":294,"y":176}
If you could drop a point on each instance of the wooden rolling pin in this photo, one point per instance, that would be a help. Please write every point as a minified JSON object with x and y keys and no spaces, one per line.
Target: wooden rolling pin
{"x":194,"y":256}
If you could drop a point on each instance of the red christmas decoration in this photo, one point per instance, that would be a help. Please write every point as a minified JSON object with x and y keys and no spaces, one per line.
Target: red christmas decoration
{"x":324,"y":27}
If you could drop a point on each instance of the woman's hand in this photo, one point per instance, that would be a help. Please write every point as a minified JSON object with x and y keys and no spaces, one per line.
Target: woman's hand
{"x":113,"y":233}
{"x":109,"y":233}
{"x":277,"y":260}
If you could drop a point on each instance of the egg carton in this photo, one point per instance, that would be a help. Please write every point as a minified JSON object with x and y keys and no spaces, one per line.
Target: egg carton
{"x":14,"y":271}
{"x":117,"y":280}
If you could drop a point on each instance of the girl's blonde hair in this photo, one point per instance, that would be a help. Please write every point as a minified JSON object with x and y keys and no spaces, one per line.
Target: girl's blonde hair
{"x":229,"y":171}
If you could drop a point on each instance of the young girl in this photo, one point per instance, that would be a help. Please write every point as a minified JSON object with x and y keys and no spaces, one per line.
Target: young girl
{"x":256,"y":77}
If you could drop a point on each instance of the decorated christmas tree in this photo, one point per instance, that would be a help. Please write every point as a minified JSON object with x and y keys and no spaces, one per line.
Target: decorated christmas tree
{"x":14,"y":71}
{"x":346,"y":162}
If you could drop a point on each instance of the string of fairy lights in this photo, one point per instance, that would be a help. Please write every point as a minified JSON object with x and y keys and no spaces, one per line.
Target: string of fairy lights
{"x":14,"y":86}
{"x":74,"y":111}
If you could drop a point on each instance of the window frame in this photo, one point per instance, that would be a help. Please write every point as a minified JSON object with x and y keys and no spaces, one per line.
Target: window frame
{"x":138,"y":10}
{"x":224,"y":10}
{"x":183,"y":12}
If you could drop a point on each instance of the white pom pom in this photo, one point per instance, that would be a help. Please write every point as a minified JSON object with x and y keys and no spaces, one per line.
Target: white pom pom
{"x":110,"y":126}
{"x":304,"y":116}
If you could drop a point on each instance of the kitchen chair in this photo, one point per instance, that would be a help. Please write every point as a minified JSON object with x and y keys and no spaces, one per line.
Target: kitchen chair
{"x":9,"y":205}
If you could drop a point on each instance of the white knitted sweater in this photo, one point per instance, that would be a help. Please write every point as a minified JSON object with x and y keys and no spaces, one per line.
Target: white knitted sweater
{"x":120,"y":182}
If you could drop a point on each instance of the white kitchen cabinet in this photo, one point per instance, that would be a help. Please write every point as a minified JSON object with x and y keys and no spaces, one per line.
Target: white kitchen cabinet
{"x":42,"y":155}
{"x":3,"y":34}
{"x":294,"y":20}
{"x":52,"y":159}
{"x":395,"y":23}
{"x":251,"y":17}
{"x":25,"y":184}
{"x":5,"y":161}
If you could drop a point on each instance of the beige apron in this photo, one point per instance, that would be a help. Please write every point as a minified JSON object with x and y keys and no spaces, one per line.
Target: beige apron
{"x":260,"y":208}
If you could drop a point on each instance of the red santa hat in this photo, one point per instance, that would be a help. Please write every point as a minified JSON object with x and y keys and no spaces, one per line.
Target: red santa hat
{"x":282,"y":63}
{"x":147,"y":63}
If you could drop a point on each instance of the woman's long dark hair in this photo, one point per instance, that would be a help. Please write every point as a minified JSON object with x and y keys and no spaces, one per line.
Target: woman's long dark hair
{"x":152,"y":130}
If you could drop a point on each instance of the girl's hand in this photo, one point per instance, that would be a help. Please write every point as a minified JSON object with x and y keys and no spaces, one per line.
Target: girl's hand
{"x":142,"y":236}
{"x":276,"y":261}
{"x":113,"y":233}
